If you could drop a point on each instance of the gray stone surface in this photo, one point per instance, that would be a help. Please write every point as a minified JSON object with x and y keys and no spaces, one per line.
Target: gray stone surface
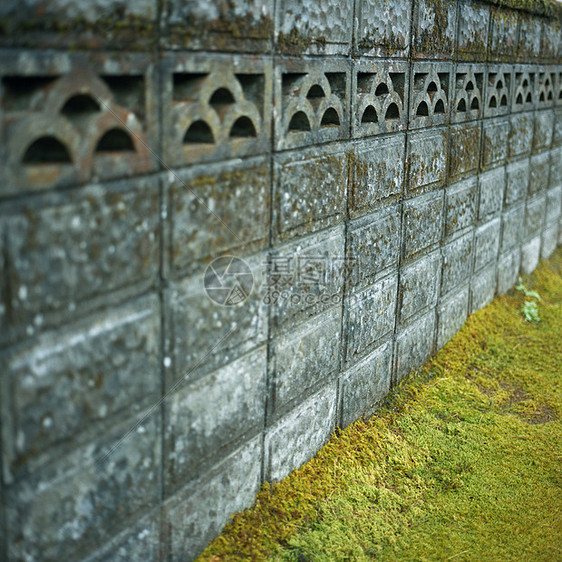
{"x":540,"y":168}
{"x":426,"y":160}
{"x":549,"y":240}
{"x":469,"y":92}
{"x":534,"y":216}
{"x":460,"y":205}
{"x":520,"y":134}
{"x":483,"y":287}
{"x":556,"y":166}
{"x":498,"y":90}
{"x":553,"y":203}
{"x":513,"y":223}
{"x":524,"y":96}
{"x":517,"y":181}
{"x":457,"y":263}
{"x":464,"y":150}
{"x":492,"y":186}
{"x":486,"y":243}
{"x":366,"y":384}
{"x":542,"y":136}
{"x":472,"y":33}
{"x":494,"y":142}
{"x":451,"y":315}
{"x":530,"y":27}
{"x":508,"y":270}
{"x":422,"y":223}
{"x":434,"y":28}
{"x":530,"y":255}
{"x":430,"y":87}
{"x":504,"y":26}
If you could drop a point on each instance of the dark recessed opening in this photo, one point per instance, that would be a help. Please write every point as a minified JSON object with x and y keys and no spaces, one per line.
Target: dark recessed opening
{"x":493,"y":102}
{"x":475,"y":104}
{"x":115,"y":140}
{"x":432,"y":88}
{"x":549,"y":96}
{"x":469,"y":86}
{"x":541,"y":97}
{"x":503,"y":101}
{"x":422,"y":110}
{"x":499,"y":85}
{"x":330,"y":118}
{"x":439,"y":107}
{"x":382,"y":89}
{"x":46,"y":150}
{"x":315,"y":92}
{"x":525,"y":83}
{"x":392,"y":112}
{"x":461,"y":105}
{"x":243,"y":128}
{"x":528,"y":99}
{"x":369,"y":115}
{"x":199,"y":132}
{"x":80,"y":104}
{"x":221,"y":97}
{"x":299,"y":122}
{"x":519,"y":99}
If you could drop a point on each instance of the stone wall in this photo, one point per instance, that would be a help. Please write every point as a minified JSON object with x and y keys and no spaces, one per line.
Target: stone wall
{"x":381,"y":168}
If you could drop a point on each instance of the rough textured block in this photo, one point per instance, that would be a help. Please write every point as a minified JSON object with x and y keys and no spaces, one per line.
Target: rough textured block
{"x":469,"y":93}
{"x":364,"y":386}
{"x":419,"y":286}
{"x":304,"y":357}
{"x":369,"y":317}
{"x":530,"y":28}
{"x":494,"y":142}
{"x":457,"y":263}
{"x":464,"y":150}
{"x":492,"y":185}
{"x":434,"y":28}
{"x":472,"y":33}
{"x":66,"y":386}
{"x":211,"y":211}
{"x":508,"y":270}
{"x":460,"y":205}
{"x":201,"y":335}
{"x":383,"y":28}
{"x":546,"y":87}
{"x":311,"y":102}
{"x":306,"y":277}
{"x":451,"y":315}
{"x":295,"y":438}
{"x":534,"y":215}
{"x":523,"y":98}
{"x":414,"y":345}
{"x":426,"y":160}
{"x":513,"y":222}
{"x":517,"y":181}
{"x":84,"y":498}
{"x":422,"y":223}
{"x":77,"y":245}
{"x":530,"y":255}
{"x":215,"y":107}
{"x":318,"y":27}
{"x":553,"y":204}
{"x":486,"y":242}
{"x":504,"y":26}
{"x":379,"y":97}
{"x":197,"y":514}
{"x":309,"y":190}
{"x":549,"y":240}
{"x":550,"y":39}
{"x":71,"y":118}
{"x":373,"y":245}
{"x":558,"y":101}
{"x":539,"y":178}
{"x":211,"y":413}
{"x":520,"y":134}
{"x":376,"y":173}
{"x":557,"y":136}
{"x":237,"y":25}
{"x":483,"y":288}
{"x":542,"y":137}
{"x":556,"y":166}
{"x":429,"y":94}
{"x":3,"y":288}
{"x":498,"y":90}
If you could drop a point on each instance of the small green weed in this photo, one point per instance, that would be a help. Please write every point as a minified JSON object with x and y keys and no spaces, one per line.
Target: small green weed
{"x":529,"y":309}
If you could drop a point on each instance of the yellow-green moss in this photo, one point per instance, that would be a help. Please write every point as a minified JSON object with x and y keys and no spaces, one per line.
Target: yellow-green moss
{"x":462,"y":462}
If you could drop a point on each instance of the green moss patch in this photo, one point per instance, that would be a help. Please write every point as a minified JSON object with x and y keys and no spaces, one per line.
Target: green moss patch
{"x":463,"y":462}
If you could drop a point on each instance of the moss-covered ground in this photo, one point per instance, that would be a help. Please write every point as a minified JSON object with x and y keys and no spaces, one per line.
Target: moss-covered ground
{"x":464,"y":461}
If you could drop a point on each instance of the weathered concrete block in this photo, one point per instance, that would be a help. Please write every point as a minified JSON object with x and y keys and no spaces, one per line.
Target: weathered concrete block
{"x":3,"y":288}
{"x":215,"y":210}
{"x":316,"y":27}
{"x":558,"y":99}
{"x":469,"y":93}
{"x":419,"y":286}
{"x":457,"y":263}
{"x":486,"y":243}
{"x":464,"y":150}
{"x":373,"y":245}
{"x":69,"y":247}
{"x":494,"y":142}
{"x":309,"y":190}
{"x":556,"y":166}
{"x":215,"y":107}
{"x":240,"y":25}
{"x":550,"y":39}
{"x":66,"y":386}
{"x":520,"y":134}
{"x":304,"y":357}
{"x":539,"y":178}
{"x":498,"y":90}
{"x":524,"y":92}
{"x":513,"y":222}
{"x":429,"y":94}
{"x":426,"y":160}
{"x":369,"y":317}
{"x":201,"y":335}
{"x":483,"y":288}
{"x":451,"y":315}
{"x":530,"y":255}
{"x":434,"y":28}
{"x":492,"y":186}
{"x":364,"y":386}
{"x":504,"y":26}
{"x":306,"y":277}
{"x":213,"y":412}
{"x":311,"y":102}
{"x":553,"y":204}
{"x":517,"y":181}
{"x":557,"y":136}
{"x":546,"y":87}
{"x":294,"y":439}
{"x":460,"y":204}
{"x":508,"y":270}
{"x":379,"y":97}
{"x":72,"y":118}
{"x":83,"y":498}
{"x":382,"y":28}
{"x":549,"y":240}
{"x":376,"y":173}
{"x":196,"y":515}
{"x":542,"y":137}
{"x":530,"y":28}
{"x":422,"y":223}
{"x":534,"y":215}
{"x":414,"y":345}
{"x":472,"y":33}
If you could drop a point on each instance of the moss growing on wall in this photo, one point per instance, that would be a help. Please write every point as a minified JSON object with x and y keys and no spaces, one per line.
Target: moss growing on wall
{"x":463,"y":460}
